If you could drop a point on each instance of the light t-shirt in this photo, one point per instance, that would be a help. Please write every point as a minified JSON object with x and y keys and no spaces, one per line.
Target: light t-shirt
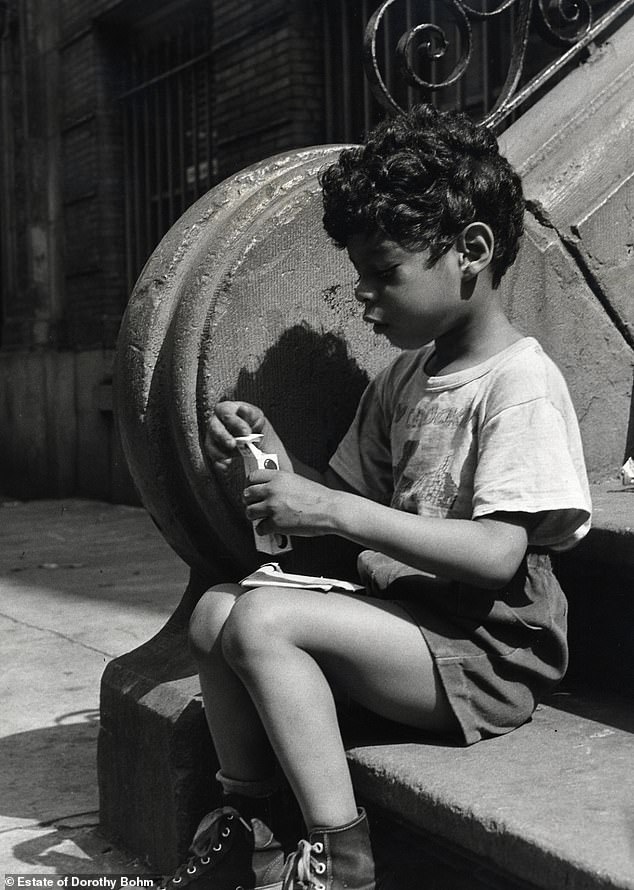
{"x":499,"y":436}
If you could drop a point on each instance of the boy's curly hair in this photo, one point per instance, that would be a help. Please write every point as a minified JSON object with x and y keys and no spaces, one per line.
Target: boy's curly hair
{"x":420,"y":178}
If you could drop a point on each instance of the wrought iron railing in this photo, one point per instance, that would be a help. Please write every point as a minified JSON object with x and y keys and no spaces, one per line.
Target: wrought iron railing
{"x":489,"y":57}
{"x":567,"y":24}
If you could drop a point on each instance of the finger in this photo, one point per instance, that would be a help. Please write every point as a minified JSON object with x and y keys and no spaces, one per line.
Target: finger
{"x":239,"y":418}
{"x":215,"y":454}
{"x":222,"y":466}
{"x":259,"y":477}
{"x":253,"y":415}
{"x":219,"y":442}
{"x":257,"y":511}
{"x":255,"y":493}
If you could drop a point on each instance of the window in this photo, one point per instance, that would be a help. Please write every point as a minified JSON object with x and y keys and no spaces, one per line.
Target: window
{"x":167,"y":125}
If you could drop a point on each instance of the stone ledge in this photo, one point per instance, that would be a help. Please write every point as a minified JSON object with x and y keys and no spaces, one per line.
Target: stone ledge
{"x":549,"y":804}
{"x":612,"y":535}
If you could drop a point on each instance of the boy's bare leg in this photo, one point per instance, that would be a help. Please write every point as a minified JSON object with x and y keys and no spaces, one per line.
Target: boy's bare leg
{"x":286,"y":645}
{"x":239,"y":738}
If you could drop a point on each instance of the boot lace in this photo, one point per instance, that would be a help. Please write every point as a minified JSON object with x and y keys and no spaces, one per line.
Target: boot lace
{"x":212,"y":833}
{"x":303,"y":868}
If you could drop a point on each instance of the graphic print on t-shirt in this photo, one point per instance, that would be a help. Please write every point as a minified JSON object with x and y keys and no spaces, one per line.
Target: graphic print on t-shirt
{"x":423,"y":473}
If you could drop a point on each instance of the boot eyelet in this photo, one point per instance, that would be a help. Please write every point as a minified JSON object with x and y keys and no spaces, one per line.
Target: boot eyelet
{"x":205,"y":860}
{"x":176,"y":880}
{"x":217,"y":849}
{"x":320,"y":868}
{"x":225,"y":832}
{"x":318,"y":847}
{"x":192,"y":870}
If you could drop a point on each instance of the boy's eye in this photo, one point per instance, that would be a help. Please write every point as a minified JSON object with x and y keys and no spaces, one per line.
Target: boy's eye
{"x":385,"y":274}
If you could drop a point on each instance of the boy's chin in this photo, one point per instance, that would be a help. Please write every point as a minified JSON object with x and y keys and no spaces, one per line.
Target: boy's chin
{"x":402,"y":340}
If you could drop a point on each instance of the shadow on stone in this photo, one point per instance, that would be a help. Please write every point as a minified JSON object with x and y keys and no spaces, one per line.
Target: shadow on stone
{"x":77,"y":849}
{"x":606,"y":708}
{"x":309,"y":386}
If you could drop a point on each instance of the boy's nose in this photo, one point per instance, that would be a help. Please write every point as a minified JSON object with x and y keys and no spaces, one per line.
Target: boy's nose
{"x":363,"y":292}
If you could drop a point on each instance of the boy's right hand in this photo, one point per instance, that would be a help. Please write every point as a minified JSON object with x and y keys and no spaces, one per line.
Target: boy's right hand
{"x":231,"y":419}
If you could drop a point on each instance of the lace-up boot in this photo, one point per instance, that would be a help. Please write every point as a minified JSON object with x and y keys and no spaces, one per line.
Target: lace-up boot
{"x":333,"y":859}
{"x":230,"y":853}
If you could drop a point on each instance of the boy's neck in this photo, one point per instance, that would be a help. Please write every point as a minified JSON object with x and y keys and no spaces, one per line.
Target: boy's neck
{"x":483,"y":337}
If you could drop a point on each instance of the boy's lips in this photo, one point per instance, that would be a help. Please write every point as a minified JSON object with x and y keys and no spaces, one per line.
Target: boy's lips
{"x":377,"y":323}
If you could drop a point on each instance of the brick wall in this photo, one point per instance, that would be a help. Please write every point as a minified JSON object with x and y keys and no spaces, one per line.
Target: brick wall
{"x":94,"y":245}
{"x":269,"y":90}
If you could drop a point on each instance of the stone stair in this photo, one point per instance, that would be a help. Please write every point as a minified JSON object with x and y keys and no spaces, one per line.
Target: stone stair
{"x":549,"y":806}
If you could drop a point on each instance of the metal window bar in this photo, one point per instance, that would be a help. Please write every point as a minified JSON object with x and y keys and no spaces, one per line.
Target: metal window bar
{"x":167,"y":129}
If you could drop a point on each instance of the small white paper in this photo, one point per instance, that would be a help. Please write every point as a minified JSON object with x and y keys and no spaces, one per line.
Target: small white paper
{"x":272,"y":575}
{"x":627,"y":472}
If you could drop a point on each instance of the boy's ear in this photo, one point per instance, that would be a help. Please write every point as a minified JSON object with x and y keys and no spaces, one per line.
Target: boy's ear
{"x":475,"y":248}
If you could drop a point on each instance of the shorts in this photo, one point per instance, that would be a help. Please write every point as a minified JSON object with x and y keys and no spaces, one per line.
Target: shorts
{"x":498,"y":652}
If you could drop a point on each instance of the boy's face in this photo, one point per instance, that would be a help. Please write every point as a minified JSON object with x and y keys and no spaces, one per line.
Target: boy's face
{"x":403,"y":299}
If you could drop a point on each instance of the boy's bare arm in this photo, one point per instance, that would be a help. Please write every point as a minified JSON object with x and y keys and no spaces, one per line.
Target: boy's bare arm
{"x":486,"y":552}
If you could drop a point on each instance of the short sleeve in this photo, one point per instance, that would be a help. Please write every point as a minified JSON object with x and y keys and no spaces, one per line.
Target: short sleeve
{"x":530,"y":460}
{"x":363,"y":458}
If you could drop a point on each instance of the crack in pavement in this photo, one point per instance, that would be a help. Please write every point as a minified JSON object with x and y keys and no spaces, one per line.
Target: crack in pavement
{"x":57,"y":633}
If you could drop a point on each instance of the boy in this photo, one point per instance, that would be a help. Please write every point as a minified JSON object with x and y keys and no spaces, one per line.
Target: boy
{"x":462,"y":468}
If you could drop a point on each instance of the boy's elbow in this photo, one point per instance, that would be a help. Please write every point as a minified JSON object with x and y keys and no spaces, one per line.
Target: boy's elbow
{"x":495,"y":580}
{"x":502,"y":551}
{"x":500,"y":568}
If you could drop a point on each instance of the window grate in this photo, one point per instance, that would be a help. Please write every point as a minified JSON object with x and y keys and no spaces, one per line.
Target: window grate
{"x":167,"y":130}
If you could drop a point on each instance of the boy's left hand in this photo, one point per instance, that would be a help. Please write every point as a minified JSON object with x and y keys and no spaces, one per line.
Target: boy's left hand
{"x":288,"y":503}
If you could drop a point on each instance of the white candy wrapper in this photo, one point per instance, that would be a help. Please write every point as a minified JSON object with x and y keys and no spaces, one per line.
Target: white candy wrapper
{"x":627,"y":472}
{"x":271,"y":575}
{"x":254,"y":459}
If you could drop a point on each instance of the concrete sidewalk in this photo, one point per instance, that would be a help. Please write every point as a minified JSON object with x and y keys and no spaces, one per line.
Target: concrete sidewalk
{"x":81,"y":582}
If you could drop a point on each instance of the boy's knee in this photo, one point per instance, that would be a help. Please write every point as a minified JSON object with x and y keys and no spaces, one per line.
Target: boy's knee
{"x":251,"y":627}
{"x":209,"y":617}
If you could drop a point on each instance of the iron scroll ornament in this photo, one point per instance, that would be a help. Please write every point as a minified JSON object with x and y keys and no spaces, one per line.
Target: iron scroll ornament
{"x":564,"y":23}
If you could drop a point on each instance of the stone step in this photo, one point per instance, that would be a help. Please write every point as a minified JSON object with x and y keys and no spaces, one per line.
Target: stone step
{"x":548,"y":806}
